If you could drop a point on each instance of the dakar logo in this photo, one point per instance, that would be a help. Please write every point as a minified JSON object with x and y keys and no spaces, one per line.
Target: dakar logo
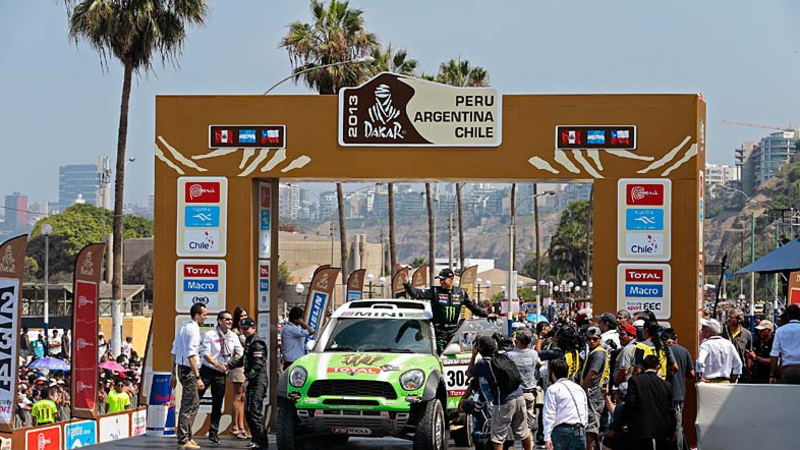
{"x":8,"y":264}
{"x":83,"y":343}
{"x":87,"y":267}
{"x":383,"y":115}
{"x":82,"y":386}
{"x":42,"y":442}
{"x":83,"y":301}
{"x":324,"y":279}
{"x":361,"y":360}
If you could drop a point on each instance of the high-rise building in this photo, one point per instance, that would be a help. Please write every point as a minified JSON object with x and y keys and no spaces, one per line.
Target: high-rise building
{"x":746,"y":167}
{"x":328,"y":206}
{"x":91,"y":182}
{"x":16,"y":212}
{"x":720,"y":174}
{"x":771,"y":152}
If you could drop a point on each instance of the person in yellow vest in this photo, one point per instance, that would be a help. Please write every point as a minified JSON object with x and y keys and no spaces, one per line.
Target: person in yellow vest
{"x":652,"y":345}
{"x":595,"y":375}
{"x":45,"y":410}
{"x":118,"y":400}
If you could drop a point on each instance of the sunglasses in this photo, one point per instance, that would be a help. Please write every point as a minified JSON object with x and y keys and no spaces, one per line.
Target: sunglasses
{"x":227,"y":319}
{"x":594,"y":339}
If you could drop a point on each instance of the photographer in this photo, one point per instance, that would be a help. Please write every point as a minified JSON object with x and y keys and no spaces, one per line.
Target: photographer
{"x":571,"y":346}
{"x":526,"y":360}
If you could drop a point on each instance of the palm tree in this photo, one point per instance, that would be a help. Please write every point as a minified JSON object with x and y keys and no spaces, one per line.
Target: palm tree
{"x":462,"y":74}
{"x":131,"y":32}
{"x":336,"y":34}
{"x":389,"y":60}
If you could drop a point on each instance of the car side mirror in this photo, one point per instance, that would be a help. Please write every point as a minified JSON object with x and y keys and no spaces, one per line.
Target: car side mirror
{"x":310,"y":344}
{"x":452,"y":349}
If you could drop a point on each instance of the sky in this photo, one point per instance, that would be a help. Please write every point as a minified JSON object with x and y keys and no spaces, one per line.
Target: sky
{"x":59,"y":106}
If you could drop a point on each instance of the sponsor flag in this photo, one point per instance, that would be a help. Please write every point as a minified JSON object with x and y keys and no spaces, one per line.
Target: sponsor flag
{"x":420,"y":278}
{"x":88,"y":268}
{"x":620,"y":137}
{"x":467,"y":282}
{"x":596,"y":137}
{"x":320,"y":292}
{"x":398,"y":291}
{"x":355,"y":285}
{"x":12,"y":265}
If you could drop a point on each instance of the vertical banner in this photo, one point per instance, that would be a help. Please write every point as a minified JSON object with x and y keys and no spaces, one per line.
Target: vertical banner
{"x":467,"y":282}
{"x":12,"y":264}
{"x":263,"y":286}
{"x":398,"y":291}
{"x":355,"y":285}
{"x":264,"y":219}
{"x":320,"y":292}
{"x":794,"y":288}
{"x":202,"y":216}
{"x":420,"y":278}
{"x":88,"y":268}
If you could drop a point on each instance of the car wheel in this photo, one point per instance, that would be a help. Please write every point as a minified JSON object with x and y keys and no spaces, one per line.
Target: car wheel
{"x":462,"y":437}
{"x":432,"y":432}
{"x":286,"y":435}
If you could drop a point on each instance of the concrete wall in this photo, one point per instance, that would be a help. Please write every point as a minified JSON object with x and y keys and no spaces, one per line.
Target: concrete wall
{"x":138,"y":327}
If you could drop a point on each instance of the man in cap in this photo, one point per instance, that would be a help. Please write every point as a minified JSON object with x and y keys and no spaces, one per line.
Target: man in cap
{"x":446,"y":302}
{"x":256,"y":381}
{"x":760,"y":357}
{"x":624,"y":365}
{"x":717,"y":359}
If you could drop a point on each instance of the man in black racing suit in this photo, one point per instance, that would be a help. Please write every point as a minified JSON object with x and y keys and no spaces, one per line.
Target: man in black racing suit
{"x":446,"y":302}
{"x":256,"y":384}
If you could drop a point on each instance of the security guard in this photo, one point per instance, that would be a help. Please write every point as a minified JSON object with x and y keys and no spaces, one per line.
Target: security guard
{"x":256,"y":373}
{"x":446,"y":301}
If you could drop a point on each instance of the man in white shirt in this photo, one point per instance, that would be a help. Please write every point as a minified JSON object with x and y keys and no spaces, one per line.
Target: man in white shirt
{"x":186,"y":368}
{"x":565,"y":411}
{"x":786,"y":345}
{"x":127,"y":346}
{"x":608,"y":326}
{"x":219,"y":347}
{"x":717,"y":359}
{"x":293,"y":337}
{"x":54,"y":345}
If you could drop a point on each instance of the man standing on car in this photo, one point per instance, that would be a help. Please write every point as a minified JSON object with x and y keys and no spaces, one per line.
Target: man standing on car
{"x":446,"y":302}
{"x":508,"y":408}
{"x":256,"y":381}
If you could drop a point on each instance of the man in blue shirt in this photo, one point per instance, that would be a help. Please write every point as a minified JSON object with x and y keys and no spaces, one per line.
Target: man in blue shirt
{"x":508,"y":408}
{"x":293,"y":337}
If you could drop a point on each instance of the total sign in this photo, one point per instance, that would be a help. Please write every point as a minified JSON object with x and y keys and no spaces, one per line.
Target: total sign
{"x":200,"y":281}
{"x":202,"y":216}
{"x":644,"y":219}
{"x":645,"y":287}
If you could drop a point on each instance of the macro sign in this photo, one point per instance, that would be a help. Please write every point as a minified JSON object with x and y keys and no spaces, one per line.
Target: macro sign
{"x":200,"y":281}
{"x":398,"y":111}
{"x":645,"y":287}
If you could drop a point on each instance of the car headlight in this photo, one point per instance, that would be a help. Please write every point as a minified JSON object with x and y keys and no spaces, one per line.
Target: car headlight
{"x":297,"y":377}
{"x":412,"y":380}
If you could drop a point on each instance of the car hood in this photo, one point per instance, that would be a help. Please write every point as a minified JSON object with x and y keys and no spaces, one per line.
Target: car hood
{"x":365,"y":366}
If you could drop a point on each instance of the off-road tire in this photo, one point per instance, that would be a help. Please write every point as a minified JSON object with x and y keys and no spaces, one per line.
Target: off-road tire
{"x":463,"y":436}
{"x":286,"y":435}
{"x":432,"y":429}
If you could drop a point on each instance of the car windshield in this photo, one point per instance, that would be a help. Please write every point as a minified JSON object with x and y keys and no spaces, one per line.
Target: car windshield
{"x":380,"y":335}
{"x":470,"y":329}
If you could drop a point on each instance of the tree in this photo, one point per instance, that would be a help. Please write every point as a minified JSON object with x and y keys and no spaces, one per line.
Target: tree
{"x":337,"y":34}
{"x":568,"y":247}
{"x":419,"y":262}
{"x":131,"y":32}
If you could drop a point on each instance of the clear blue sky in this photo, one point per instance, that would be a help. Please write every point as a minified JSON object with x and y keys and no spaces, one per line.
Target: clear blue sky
{"x":59,"y":107}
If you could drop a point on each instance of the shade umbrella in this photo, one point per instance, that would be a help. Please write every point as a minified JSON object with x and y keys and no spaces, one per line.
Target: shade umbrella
{"x":49,"y":364}
{"x":536,"y":318}
{"x":112,"y":366}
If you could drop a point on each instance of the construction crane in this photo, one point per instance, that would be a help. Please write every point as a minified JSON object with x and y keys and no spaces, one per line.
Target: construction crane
{"x":758,"y":125}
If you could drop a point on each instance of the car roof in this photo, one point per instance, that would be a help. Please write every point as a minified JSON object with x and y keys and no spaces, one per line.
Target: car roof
{"x":379,"y":308}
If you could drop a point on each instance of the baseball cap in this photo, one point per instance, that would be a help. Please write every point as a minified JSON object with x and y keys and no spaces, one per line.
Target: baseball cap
{"x":765,"y":325}
{"x":247,"y":322}
{"x":608,"y":317}
{"x":711,"y":324}
{"x":628,"y":328}
{"x":623,"y":388}
{"x":486,"y":342}
{"x":638,"y":323}
{"x":60,"y":382}
{"x":445,"y":273}
{"x":593,"y":331}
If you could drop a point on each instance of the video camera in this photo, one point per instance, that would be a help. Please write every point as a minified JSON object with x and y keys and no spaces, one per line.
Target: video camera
{"x":503,"y":343}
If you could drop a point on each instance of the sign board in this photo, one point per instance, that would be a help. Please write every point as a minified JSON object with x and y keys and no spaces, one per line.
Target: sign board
{"x":645,"y":287}
{"x":202,"y":216}
{"x":264,"y":220}
{"x":43,"y":438}
{"x":794,"y":288}
{"x":12,"y":264}
{"x":263,"y":286}
{"x":200,"y":281}
{"x":139,"y":422}
{"x":399,"y":111}
{"x":80,"y":434}
{"x":597,"y":137}
{"x":644,"y":219}
{"x":114,"y":427}
{"x":247,"y":136}
{"x":182,"y":319}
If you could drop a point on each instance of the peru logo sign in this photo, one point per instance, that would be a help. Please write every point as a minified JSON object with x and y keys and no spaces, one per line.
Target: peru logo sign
{"x":646,"y":194}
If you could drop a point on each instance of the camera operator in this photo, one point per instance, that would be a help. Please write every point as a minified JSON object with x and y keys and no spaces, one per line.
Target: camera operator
{"x":571,"y":346}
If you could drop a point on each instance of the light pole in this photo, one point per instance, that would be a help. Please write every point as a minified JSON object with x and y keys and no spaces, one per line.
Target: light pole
{"x":512,"y":238}
{"x":47,"y":229}
{"x":362,"y":60}
{"x":370,"y":277}
{"x":478,"y":288}
{"x":298,"y":288}
{"x":382,"y":281}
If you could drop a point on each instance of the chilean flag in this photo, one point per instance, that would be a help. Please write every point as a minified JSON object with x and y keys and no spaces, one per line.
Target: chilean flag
{"x":621,"y":137}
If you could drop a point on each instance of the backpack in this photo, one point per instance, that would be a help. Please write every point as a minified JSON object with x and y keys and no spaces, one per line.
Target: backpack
{"x":506,"y":374}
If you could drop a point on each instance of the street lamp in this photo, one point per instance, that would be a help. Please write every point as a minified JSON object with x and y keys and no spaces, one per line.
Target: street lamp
{"x":298,"y":288}
{"x":478,"y":288}
{"x":362,"y":60}
{"x":370,"y":277}
{"x":512,"y":237}
{"x":382,"y":281}
{"x":47,"y":229}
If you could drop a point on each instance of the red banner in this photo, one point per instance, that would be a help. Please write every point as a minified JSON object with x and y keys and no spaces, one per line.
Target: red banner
{"x":88,"y":268}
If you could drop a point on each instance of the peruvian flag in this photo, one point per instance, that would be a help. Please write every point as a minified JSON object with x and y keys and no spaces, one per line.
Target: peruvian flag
{"x":570,"y":137}
{"x":223,"y":137}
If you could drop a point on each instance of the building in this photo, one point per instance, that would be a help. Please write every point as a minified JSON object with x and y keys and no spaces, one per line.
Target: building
{"x":721,"y":174}
{"x":16,"y":212}
{"x":328,"y":206}
{"x":91,"y":182}
{"x":766,"y":157}
{"x":746,"y":167}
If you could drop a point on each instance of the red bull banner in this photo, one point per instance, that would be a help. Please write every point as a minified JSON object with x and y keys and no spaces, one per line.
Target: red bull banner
{"x":319,"y":295}
{"x":420,"y":278}
{"x":88,"y":268}
{"x":355,"y":285}
{"x":12,"y":264}
{"x":398,"y":291}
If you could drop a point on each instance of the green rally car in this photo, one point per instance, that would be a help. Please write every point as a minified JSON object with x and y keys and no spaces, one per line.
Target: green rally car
{"x":373,"y":372}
